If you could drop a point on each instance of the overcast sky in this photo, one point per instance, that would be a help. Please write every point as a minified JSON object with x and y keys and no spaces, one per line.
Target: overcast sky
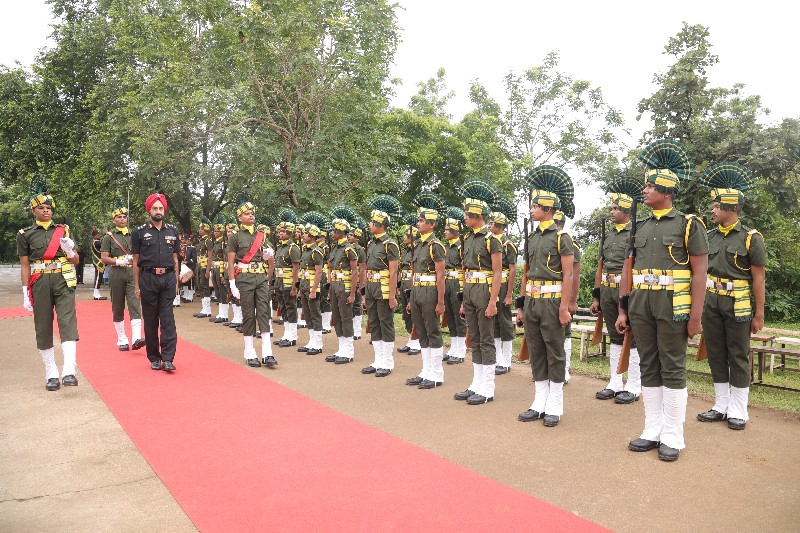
{"x":616,"y":45}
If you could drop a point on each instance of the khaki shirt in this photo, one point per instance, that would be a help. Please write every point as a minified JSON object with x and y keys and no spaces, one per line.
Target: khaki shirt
{"x":661,"y":244}
{"x":341,"y":254}
{"x":545,"y":249}
{"x":34,"y":240}
{"x":479,"y":247}
{"x":509,"y":250}
{"x":615,"y":249}
{"x":381,"y":250}
{"x":728,"y":256}
{"x":452,"y":259}
{"x":241,"y":242}
{"x":427,"y":251}
{"x":113,"y":249}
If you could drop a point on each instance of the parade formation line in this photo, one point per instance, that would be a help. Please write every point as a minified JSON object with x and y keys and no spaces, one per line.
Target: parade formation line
{"x":13,"y":312}
{"x":241,"y":452}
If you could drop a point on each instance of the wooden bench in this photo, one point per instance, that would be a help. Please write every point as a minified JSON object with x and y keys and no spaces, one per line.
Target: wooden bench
{"x":584,"y":326}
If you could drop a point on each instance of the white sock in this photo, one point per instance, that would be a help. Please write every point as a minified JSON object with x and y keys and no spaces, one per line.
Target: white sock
{"x":487,"y":384}
{"x":97,"y":293}
{"x":722,"y":397}
{"x":425,"y":363}
{"x":674,"y":417}
{"x":136,"y":328}
{"x":614,"y":353}
{"x":477,"y":378}
{"x":504,"y":356}
{"x":49,"y":360}
{"x":738,"y":403}
{"x":176,"y":300}
{"x":634,"y":384}
{"x":122,"y":339}
{"x":414,"y":344}
{"x":206,"y":303}
{"x":555,"y":399}
{"x":223,"y":311}
{"x":542,"y":389}
{"x":266,"y":345}
{"x":290,"y":331}
{"x":249,"y":349}
{"x":388,"y":355}
{"x":653,"y":399}
{"x":377,"y":347}
{"x":69,"y":349}
{"x":435,"y":368}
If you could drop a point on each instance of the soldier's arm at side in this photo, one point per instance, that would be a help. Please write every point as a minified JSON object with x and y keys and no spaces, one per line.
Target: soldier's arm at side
{"x":567,"y":264}
{"x":25,"y":270}
{"x":699,"y":265}
{"x":231,"y":265}
{"x":576,"y":283}
{"x":440,"y":275}
{"x":759,"y":279}
{"x":497,"y":281}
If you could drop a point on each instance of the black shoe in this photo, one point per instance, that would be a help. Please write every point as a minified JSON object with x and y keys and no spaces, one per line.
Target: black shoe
{"x":330,"y":358}
{"x":478,"y":399}
{"x":642,"y":445}
{"x":184,"y":300}
{"x":52,"y":384}
{"x":445,"y":358}
{"x":226,"y":323}
{"x":500,"y":370}
{"x":202,"y":315}
{"x":101,"y":298}
{"x":155,"y":365}
{"x":285,"y":343}
{"x":269,"y":361}
{"x":414,"y":352}
{"x":403,"y":349}
{"x":234,"y":325}
{"x":455,"y":360}
{"x":168,"y":366}
{"x":214,"y":299}
{"x":176,"y":305}
{"x":325,"y":331}
{"x":356,"y":338}
{"x":217,"y":320}
{"x":463,"y":395}
{"x":530,"y":415}
{"x":416,"y":380}
{"x":313,"y":351}
{"x":665,"y":453}
{"x":736,"y":423}
{"x":138,"y":343}
{"x":342,"y":360}
{"x":254,"y":363}
{"x":302,"y":349}
{"x":382,"y":372}
{"x":605,"y":394}
{"x":626,"y":397}
{"x":69,"y":380}
{"x":279,"y":321}
{"x":551,"y":421}
{"x":302,"y":326}
{"x":711,"y":416}
{"x":123,"y":347}
{"x":240,"y":330}
{"x":428,"y":384}
{"x":368,"y":370}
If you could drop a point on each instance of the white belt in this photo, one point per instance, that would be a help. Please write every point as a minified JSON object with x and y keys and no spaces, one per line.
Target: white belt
{"x":421,"y":278}
{"x":652,"y":279}
{"x":405,"y":275}
{"x":250,"y":266}
{"x":47,"y":266}
{"x":374,"y":276}
{"x":504,"y":275}
{"x":453,"y":273}
{"x":474,"y":275}
{"x":611,"y":278}
{"x":339,"y":275}
{"x":541,"y":289}
{"x":719,"y":285}
{"x":280,"y":271}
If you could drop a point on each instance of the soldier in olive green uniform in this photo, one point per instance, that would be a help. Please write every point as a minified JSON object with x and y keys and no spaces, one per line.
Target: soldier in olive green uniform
{"x":249,"y":266}
{"x":666,"y":303}
{"x":560,"y":218}
{"x":287,"y":271}
{"x":410,"y":236}
{"x":453,"y":286}
{"x":311,"y":262}
{"x":483,"y":266}
{"x":202,"y":269}
{"x":736,"y":272}
{"x":324,"y":300}
{"x":115,"y":252}
{"x":218,"y":262}
{"x":232,"y":228}
{"x":353,"y":237}
{"x":342,"y":291}
{"x":47,"y":258}
{"x":99,"y":267}
{"x":427,"y":299}
{"x":504,"y":328}
{"x":380,"y":282}
{"x":605,"y":295}
{"x":546,"y":294}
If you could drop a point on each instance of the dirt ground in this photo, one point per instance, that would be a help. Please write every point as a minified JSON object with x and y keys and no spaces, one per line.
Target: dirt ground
{"x":65,"y":462}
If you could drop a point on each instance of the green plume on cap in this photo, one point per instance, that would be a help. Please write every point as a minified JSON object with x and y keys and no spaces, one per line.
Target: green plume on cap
{"x":551,"y":179}
{"x":668,"y":163}
{"x":568,"y":207}
{"x":220,"y":220}
{"x":627,"y":185}
{"x":430,"y":200}
{"x":287,"y":215}
{"x":728,"y":175}
{"x":505,"y":206}
{"x":267,"y":220}
{"x":39,"y":193}
{"x":386,"y":203}
{"x":204,"y":220}
{"x":360,"y":222}
{"x":345,"y":212}
{"x":317,"y":219}
{"x":480,"y":189}
{"x":454,"y":212}
{"x":410,"y":219}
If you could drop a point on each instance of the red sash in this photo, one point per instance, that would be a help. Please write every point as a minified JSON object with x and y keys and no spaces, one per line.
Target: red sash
{"x":252,"y":251}
{"x":49,"y":255}
{"x":118,"y":243}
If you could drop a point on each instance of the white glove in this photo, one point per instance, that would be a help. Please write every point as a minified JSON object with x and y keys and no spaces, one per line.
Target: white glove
{"x":266,"y":253}
{"x":121,"y":261}
{"x":128,"y":259}
{"x":234,"y":290}
{"x":26,"y":298}
{"x":67,"y":245}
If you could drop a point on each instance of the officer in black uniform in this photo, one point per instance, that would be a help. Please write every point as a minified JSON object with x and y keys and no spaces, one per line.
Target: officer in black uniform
{"x":155,"y":247}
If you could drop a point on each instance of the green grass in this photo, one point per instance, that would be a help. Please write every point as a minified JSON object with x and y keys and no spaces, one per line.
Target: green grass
{"x":699,"y":385}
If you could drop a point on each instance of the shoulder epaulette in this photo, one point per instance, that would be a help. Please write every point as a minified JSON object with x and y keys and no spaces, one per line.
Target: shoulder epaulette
{"x":750,"y":234}
{"x":142,"y":226}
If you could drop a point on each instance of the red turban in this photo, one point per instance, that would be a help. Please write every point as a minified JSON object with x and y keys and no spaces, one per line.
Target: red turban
{"x":153,"y":198}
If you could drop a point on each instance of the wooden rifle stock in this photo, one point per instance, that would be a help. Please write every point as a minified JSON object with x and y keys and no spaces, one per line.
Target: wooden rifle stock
{"x":597,"y":336}
{"x":414,"y":334}
{"x":523,"y":348}
{"x":702,"y":353}
{"x":625,"y":356}
{"x":444,"y":320}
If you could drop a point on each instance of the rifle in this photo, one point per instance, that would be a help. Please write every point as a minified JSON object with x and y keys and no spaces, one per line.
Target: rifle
{"x":597,"y":336}
{"x":468,"y":339}
{"x":627,"y":275}
{"x":523,"y":348}
{"x":702,"y":353}
{"x":414,"y":333}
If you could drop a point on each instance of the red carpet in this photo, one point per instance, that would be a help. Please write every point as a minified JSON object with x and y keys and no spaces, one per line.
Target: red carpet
{"x":242,"y":453}
{"x":13,"y":312}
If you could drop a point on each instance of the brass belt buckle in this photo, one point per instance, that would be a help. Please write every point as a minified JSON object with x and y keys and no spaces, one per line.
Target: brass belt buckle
{"x":536,"y":290}
{"x":720,"y":286}
{"x":651,"y":279}
{"x":160,"y":270}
